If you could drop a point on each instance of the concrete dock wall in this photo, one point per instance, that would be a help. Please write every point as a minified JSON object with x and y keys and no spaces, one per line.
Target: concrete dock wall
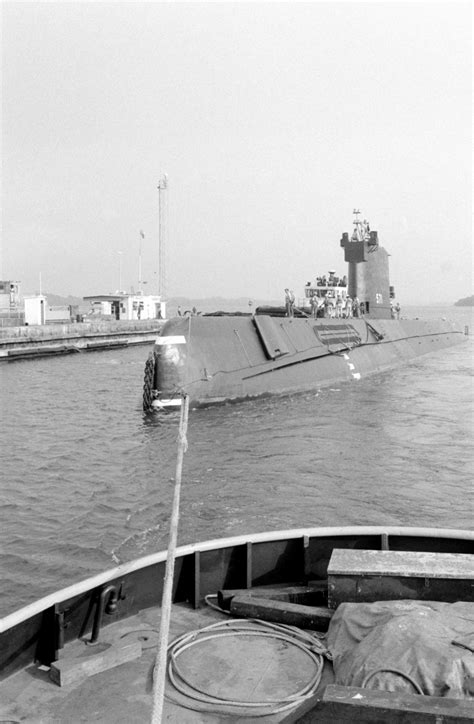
{"x":35,"y":341}
{"x":78,"y":329}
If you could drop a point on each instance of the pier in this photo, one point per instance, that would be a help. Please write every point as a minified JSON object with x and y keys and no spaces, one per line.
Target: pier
{"x":30,"y":342}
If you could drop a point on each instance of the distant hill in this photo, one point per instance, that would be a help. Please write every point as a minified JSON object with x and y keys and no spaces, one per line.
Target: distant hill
{"x":56,"y":300}
{"x":466,"y":302}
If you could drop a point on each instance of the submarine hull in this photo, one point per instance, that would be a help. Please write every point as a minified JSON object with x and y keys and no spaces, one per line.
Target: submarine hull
{"x":215,"y":359}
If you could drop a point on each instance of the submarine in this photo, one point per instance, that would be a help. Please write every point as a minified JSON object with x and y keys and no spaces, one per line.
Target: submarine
{"x":342,"y":329}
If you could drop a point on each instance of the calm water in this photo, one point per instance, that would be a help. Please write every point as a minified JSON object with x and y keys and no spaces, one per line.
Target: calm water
{"x":88,"y":479}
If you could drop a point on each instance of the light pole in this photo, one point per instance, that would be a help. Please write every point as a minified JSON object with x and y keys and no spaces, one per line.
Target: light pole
{"x":120,"y":272}
{"x":142,"y":236}
{"x":162,"y":232}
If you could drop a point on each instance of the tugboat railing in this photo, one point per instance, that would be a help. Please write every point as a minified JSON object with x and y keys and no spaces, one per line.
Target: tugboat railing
{"x":124,"y":569}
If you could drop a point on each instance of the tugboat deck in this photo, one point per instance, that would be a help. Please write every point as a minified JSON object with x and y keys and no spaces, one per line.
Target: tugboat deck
{"x":124,"y":691}
{"x":275,"y":586}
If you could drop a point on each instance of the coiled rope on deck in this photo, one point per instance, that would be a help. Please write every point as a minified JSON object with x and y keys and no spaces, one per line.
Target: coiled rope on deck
{"x":289,"y":635}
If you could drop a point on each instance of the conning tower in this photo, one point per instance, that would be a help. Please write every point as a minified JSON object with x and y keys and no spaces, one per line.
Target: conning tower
{"x":368,"y":270}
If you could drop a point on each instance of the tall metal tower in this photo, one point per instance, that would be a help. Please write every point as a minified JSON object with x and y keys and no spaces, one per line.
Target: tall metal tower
{"x":162,"y":232}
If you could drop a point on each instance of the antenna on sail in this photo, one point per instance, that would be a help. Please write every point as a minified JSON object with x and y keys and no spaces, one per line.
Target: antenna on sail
{"x":162,"y":230}
{"x":361,"y":228}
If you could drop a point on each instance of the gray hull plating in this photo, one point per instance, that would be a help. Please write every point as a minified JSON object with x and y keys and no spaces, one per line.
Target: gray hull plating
{"x":219,"y":358}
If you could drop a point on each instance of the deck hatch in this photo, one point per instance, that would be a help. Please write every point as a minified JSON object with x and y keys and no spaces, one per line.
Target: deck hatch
{"x":271,"y":336}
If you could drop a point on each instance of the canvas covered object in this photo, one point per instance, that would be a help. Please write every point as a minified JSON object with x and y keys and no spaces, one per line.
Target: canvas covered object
{"x":414,"y":646}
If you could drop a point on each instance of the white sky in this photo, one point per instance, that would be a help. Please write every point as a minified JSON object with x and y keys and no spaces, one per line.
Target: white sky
{"x":272,"y":120}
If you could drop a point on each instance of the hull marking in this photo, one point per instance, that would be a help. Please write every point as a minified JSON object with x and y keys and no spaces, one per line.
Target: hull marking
{"x":178,"y":339}
{"x":351,"y":365}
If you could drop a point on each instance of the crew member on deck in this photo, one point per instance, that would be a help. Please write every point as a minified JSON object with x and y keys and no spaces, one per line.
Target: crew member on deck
{"x":356,"y":307}
{"x":290,"y":302}
{"x":328,"y":307}
{"x":348,"y":309}
{"x":397,"y":310}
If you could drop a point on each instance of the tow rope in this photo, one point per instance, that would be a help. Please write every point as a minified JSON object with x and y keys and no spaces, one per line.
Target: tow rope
{"x":166,"y":601}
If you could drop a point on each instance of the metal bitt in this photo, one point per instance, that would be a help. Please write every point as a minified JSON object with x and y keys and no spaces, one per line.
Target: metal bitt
{"x":107,"y":601}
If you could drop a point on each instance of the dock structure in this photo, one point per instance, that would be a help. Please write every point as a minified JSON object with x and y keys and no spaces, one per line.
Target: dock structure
{"x":30,"y":342}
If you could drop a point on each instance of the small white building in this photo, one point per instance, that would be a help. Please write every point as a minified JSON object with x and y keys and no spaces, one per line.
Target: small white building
{"x":38,"y":311}
{"x":35,"y":309}
{"x":127,"y":306}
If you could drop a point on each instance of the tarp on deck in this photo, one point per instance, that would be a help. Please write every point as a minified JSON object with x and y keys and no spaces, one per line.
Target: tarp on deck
{"x":414,"y":646}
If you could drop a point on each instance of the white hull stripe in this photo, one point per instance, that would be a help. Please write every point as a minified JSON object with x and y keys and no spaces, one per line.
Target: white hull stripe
{"x":178,"y":339}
